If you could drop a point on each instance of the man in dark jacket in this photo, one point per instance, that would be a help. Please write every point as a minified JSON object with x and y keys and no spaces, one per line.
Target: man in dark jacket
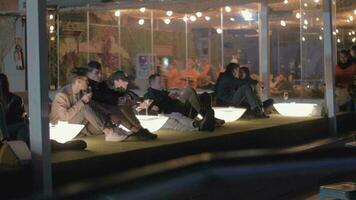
{"x":116,"y":102}
{"x":187,"y":103}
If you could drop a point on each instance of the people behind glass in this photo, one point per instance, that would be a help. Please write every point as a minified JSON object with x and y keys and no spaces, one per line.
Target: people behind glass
{"x":186,"y":102}
{"x":346,"y":68}
{"x":231,"y":90}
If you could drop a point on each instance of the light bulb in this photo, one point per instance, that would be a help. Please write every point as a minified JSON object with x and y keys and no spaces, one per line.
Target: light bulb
{"x":199,"y":14}
{"x":117,"y":13}
{"x":185,"y":18}
{"x":169,"y":13}
{"x":141,"y":21}
{"x":193,"y":18}
{"x":232,"y":19}
{"x":285,"y":1}
{"x":143,"y":9}
{"x":207,"y":18}
{"x":283,"y":23}
{"x":227,"y":8}
{"x":297,"y":15}
{"x":51,"y":16}
{"x":320,"y":37}
{"x":219,"y":30}
{"x":167,"y":21}
{"x":338,"y":40}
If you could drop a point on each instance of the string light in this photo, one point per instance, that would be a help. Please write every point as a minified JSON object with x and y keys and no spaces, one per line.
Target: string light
{"x":303,"y":39}
{"x":51,"y":16}
{"x":227,"y":8}
{"x":338,"y":40}
{"x":199,"y":14}
{"x":232,"y":19}
{"x":306,"y":22}
{"x":285,"y":1}
{"x":355,"y":11}
{"x":317,"y":19}
{"x":207,"y":18}
{"x":351,"y":18}
{"x":141,"y":22}
{"x":219,"y":30}
{"x":337,"y":30}
{"x":283,"y":23}
{"x":167,"y":21}
{"x":117,"y":13}
{"x":185,"y":18}
{"x":316,"y":1}
{"x":297,"y":15}
{"x":143,"y":9}
{"x":354,"y":39}
{"x":320,"y":37}
{"x":193,"y":18}
{"x":169,"y":13}
{"x":305,"y":5}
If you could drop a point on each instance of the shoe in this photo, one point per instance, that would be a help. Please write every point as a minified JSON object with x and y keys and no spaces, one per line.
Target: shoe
{"x":78,"y":145}
{"x":258,"y":113}
{"x":143,"y":134}
{"x":208,"y":121}
{"x":219,"y":122}
{"x":116,"y":135}
{"x":268,"y":106}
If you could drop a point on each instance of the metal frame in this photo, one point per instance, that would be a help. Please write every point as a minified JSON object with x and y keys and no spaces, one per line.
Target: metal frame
{"x":264,"y":48}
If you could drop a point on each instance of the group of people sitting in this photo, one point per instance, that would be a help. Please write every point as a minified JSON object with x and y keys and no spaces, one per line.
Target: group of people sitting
{"x":106,"y":106}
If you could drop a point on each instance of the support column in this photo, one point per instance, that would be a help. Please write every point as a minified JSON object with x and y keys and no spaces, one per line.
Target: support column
{"x":329,"y":63}
{"x":264,"y":48}
{"x":37,"y":54}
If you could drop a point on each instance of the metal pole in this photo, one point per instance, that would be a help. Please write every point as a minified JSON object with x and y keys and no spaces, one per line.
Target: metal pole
{"x":222,"y":36}
{"x":301,"y":40}
{"x":329,"y":63}
{"x":264,"y":49}
{"x":186,"y":44}
{"x":152,"y":50}
{"x":37,"y":52}
{"x":119,"y":40}
{"x":88,"y":34}
{"x":58,"y":52}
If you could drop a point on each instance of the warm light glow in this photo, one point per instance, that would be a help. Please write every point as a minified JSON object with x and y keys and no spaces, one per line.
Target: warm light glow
{"x":320,"y":37}
{"x":306,"y":22}
{"x":351,"y":18}
{"x":143,"y":9}
{"x":141,"y":21}
{"x":167,"y":21}
{"x":53,"y":38}
{"x":117,"y":13}
{"x":334,"y":33}
{"x":338,"y":40}
{"x":285,"y":1}
{"x":297,"y":15}
{"x":317,"y":19}
{"x":353,"y":32}
{"x":51,"y":16}
{"x":207,"y":18}
{"x":295,"y":109}
{"x":348,"y":21}
{"x":232,"y":19}
{"x":51,"y":28}
{"x":322,"y":28}
{"x":316,"y":1}
{"x":219,"y":30}
{"x":64,"y":132}
{"x":229,"y":114}
{"x":354,"y":40}
{"x":355,"y":11}
{"x":283,"y":23}
{"x":169,"y":13}
{"x":227,"y":8}
{"x":152,"y":123}
{"x":247,"y":15}
{"x":185,"y":18}
{"x":337,"y":30}
{"x":303,"y":39}
{"x":305,"y":27}
{"x":193,"y":18}
{"x":350,"y":33}
{"x":199,"y":14}
{"x":305,"y":5}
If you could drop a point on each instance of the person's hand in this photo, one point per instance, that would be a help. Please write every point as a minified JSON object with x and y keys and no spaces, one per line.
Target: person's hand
{"x":86,"y":97}
{"x":155,"y":108}
{"x":145,"y":104}
{"x":261,"y":85}
{"x":173,"y":95}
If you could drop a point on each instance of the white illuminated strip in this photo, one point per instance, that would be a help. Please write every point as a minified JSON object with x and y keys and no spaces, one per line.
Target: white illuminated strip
{"x":229,"y":114}
{"x":295,"y":109}
{"x":64,"y":132}
{"x":152,"y":123}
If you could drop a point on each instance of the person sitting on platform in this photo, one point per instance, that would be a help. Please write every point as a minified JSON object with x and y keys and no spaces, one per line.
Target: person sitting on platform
{"x":187,"y":104}
{"x":231,"y":90}
{"x":72,"y":104}
{"x":113,"y":98}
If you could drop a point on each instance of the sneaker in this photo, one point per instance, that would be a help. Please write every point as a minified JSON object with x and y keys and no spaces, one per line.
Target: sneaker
{"x":208,"y":122}
{"x":116,"y":135}
{"x":143,"y":134}
{"x":219,"y":122}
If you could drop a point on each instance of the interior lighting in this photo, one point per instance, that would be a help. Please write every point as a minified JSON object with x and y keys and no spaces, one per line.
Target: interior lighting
{"x":305,"y":27}
{"x":338,"y":40}
{"x":232,"y":19}
{"x":283,"y":23}
{"x":295,"y":109}
{"x":229,"y":114}
{"x":53,"y":38}
{"x":297,"y":15}
{"x":219,"y":30}
{"x":169,"y":13}
{"x":167,"y":21}
{"x":63,"y":131}
{"x":227,"y":8}
{"x":51,"y":16}
{"x":185,"y":18}
{"x":143,"y":9}
{"x":207,"y":18}
{"x":322,"y":28}
{"x":320,"y":37}
{"x":306,"y":22}
{"x":351,"y":18}
{"x":354,"y":39}
{"x":316,"y":1}
{"x":247,"y":15}
{"x":317,"y":19}
{"x":350,"y":33}
{"x":348,"y":20}
{"x":117,"y":13}
{"x":305,"y":5}
{"x":141,"y":21}
{"x":353,"y":32}
{"x":152,"y":123}
{"x":337,"y":30}
{"x":303,"y":39}
{"x":285,"y":1}
{"x":334,"y":33}
{"x":193,"y":18}
{"x":199,"y":14}
{"x":51,"y":28}
{"x":355,"y":11}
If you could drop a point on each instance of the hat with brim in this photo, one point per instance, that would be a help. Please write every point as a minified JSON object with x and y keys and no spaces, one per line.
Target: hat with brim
{"x":120,"y":75}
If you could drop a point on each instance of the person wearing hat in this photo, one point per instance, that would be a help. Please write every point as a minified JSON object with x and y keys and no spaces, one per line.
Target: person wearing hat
{"x":72,"y":104}
{"x":113,"y":98}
